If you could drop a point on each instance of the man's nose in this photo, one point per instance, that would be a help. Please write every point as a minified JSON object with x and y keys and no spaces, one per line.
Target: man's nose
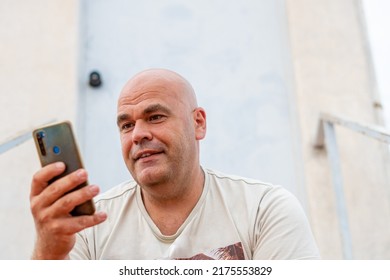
{"x":141,"y":132}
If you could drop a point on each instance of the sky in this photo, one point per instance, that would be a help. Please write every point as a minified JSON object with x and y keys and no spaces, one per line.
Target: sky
{"x":377,"y":17}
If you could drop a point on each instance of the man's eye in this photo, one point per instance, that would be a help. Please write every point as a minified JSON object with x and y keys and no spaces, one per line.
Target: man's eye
{"x":127,"y":126}
{"x":156,"y":118}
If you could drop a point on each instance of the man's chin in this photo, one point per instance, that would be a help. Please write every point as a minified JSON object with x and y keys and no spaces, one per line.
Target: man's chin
{"x":150,"y":176}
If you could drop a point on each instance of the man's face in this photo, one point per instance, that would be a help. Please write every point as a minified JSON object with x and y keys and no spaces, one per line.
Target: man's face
{"x":158,"y":131}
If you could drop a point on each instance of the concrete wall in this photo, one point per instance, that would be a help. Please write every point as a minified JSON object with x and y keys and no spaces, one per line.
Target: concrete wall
{"x":332,"y":74}
{"x":38,"y":82}
{"x":38,"y":54}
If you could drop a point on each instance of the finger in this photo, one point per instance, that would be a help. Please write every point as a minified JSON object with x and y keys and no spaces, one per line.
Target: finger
{"x":64,"y":185}
{"x":71,"y":225}
{"x":68,"y":202}
{"x":44,"y":175}
{"x":58,"y":189}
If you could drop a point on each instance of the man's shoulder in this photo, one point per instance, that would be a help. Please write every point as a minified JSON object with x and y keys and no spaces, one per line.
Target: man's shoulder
{"x":236,"y":179}
{"x":120,"y":191}
{"x":239,"y":186}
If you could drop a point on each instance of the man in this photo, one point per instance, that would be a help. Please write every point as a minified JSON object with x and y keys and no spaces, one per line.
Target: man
{"x":174,"y":208}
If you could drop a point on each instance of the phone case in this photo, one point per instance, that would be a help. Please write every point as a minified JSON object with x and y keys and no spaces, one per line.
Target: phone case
{"x":55,"y":143}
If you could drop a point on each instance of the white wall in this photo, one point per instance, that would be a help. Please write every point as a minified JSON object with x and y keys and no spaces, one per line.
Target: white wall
{"x":332,"y":75}
{"x":377,"y":22}
{"x":38,"y":54}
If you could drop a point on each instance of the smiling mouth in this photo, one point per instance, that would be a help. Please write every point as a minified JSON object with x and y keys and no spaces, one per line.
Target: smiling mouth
{"x":146,"y":155}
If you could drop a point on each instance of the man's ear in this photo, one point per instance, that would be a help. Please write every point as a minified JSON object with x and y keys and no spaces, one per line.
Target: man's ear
{"x":200,"y":123}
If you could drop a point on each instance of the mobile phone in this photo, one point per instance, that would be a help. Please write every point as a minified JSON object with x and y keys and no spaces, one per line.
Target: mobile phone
{"x":56,"y":142}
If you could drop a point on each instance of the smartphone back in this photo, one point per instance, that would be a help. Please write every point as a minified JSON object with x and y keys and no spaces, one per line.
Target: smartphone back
{"x":57,"y":143}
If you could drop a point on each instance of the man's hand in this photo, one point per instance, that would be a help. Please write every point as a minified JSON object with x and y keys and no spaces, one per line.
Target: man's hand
{"x":50,"y":207}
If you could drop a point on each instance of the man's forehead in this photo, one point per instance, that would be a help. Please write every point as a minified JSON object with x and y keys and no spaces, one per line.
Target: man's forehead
{"x":151,"y":80}
{"x":161,"y":84}
{"x":136,"y":88}
{"x":145,"y":97}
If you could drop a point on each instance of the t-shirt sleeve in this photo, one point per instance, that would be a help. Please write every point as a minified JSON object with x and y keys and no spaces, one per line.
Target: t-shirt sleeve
{"x":282,"y":230}
{"x":80,"y":250}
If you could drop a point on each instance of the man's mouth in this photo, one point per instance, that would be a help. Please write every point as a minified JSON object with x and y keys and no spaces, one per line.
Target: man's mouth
{"x":146,"y":154}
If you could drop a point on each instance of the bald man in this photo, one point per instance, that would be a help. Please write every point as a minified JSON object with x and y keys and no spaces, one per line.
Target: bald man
{"x":173,"y":208}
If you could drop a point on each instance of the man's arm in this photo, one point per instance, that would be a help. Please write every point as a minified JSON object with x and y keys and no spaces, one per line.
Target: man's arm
{"x":50,"y":207}
{"x":282,"y":228}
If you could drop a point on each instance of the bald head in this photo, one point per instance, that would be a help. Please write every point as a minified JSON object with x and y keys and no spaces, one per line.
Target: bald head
{"x":164,"y":80}
{"x":160,"y":126}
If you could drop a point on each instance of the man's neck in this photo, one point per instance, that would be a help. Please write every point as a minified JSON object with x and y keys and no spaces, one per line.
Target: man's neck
{"x":173,"y":204}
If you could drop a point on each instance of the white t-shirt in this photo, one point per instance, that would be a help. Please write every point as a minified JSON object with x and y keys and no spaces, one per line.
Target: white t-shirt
{"x":235,"y":218}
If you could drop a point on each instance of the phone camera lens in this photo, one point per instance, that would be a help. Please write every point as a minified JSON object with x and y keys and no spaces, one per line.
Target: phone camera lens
{"x":41,"y":134}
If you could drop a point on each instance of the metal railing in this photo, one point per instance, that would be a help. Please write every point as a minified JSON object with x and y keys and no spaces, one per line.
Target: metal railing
{"x":326,"y":136}
{"x":14,"y":141}
{"x":18,"y":139}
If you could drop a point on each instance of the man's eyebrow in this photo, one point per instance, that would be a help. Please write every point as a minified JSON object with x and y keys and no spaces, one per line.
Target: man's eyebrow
{"x":156,"y":108}
{"x":148,"y":110}
{"x":121,"y":118}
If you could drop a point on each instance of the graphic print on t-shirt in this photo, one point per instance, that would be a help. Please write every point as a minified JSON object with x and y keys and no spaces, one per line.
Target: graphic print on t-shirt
{"x":231,"y":252}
